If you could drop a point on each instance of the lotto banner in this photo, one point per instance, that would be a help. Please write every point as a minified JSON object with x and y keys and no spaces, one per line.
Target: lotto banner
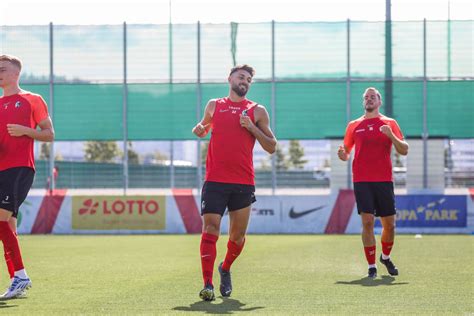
{"x":179,"y":213}
{"x":118,"y":212}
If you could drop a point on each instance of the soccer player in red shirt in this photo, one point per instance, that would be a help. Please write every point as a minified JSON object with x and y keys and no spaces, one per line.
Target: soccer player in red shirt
{"x":236,"y":123}
{"x":21,"y":113}
{"x":373,"y":136}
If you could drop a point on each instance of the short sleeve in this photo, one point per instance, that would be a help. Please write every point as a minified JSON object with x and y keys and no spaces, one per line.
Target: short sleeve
{"x":40,"y":110}
{"x":349,"y":136}
{"x":396,"y":129}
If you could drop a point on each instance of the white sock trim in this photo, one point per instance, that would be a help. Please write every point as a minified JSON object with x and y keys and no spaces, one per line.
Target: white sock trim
{"x":21,"y":274}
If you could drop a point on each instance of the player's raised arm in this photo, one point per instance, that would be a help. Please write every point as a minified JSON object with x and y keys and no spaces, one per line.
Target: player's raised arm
{"x":261,"y":129}
{"x":202,"y":128}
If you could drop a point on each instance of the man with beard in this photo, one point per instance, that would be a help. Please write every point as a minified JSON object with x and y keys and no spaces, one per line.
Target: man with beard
{"x":373,"y":135}
{"x":230,"y":180}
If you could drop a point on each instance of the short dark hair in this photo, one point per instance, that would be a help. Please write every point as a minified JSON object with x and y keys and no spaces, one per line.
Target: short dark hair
{"x":245,"y":67}
{"x":12,"y":60}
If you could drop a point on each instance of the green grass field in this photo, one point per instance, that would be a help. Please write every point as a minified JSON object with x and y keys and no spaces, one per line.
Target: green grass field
{"x":276,"y":274}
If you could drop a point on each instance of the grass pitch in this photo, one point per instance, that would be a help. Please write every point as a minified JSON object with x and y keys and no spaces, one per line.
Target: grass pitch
{"x":275,"y":275}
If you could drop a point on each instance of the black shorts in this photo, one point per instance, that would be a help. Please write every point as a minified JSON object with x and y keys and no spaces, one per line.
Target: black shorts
{"x":217,"y":196}
{"x":15,"y":183}
{"x":375,"y":198}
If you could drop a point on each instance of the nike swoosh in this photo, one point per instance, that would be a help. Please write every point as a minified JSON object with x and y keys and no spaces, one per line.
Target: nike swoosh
{"x":205,"y":256}
{"x":294,"y":214}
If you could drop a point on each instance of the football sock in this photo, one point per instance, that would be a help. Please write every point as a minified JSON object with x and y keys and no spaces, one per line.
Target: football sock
{"x":233,"y":251}
{"x":386,"y":249}
{"x":370,"y":254}
{"x":208,"y":256}
{"x":10,"y":245}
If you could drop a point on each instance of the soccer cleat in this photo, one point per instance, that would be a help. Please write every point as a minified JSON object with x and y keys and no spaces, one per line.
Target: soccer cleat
{"x":391,"y":268}
{"x":226,"y":282}
{"x":207,"y":293}
{"x":372,"y":273}
{"x":17,"y":288}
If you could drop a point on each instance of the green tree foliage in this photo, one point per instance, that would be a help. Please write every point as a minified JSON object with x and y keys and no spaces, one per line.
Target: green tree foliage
{"x":97,"y":151}
{"x":296,"y":154}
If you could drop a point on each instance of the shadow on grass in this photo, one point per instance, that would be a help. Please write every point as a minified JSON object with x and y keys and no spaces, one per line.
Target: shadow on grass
{"x":226,"y":306}
{"x":366,"y":281}
{"x":5,"y":305}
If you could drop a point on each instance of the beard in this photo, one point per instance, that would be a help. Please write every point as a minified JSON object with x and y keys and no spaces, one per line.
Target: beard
{"x":241,"y":91}
{"x":368,"y":109}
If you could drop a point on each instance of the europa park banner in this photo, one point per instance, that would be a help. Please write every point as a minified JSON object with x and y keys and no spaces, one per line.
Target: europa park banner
{"x":119,"y":212}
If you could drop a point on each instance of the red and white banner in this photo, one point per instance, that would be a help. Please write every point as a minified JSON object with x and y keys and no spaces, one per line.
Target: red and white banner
{"x":179,"y":213}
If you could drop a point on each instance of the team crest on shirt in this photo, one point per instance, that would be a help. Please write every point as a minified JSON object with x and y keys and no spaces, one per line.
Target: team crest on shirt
{"x":203,"y":205}
{"x":17,"y":104}
{"x":371,"y":127}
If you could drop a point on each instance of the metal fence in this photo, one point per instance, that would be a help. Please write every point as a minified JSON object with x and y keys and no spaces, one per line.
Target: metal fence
{"x":151,"y":82}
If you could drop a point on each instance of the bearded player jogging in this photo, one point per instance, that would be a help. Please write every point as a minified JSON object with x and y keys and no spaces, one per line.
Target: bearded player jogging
{"x":373,"y":135}
{"x":236,"y":123}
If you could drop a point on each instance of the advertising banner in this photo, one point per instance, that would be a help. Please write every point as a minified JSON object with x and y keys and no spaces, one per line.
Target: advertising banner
{"x":431,"y":211}
{"x":118,"y":212}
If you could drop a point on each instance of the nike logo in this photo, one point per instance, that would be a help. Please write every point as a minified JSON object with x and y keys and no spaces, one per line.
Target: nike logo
{"x":294,"y":214}
{"x":205,"y":256}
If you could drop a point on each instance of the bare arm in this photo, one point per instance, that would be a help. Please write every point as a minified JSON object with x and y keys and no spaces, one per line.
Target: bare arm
{"x":202,"y":128}
{"x":401,"y":146}
{"x":46,"y":134}
{"x":261,"y":129}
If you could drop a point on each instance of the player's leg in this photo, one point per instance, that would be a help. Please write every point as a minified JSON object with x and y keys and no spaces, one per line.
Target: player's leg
{"x":238,"y":224}
{"x":385,"y":200}
{"x":20,"y":180}
{"x":388,"y":238}
{"x":366,"y":209}
{"x":11,"y":269}
{"x":210,"y":235}
{"x":214,"y":198}
{"x":239,"y":215}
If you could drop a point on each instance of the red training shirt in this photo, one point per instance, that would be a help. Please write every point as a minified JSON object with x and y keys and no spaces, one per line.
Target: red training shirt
{"x":372,"y":161}
{"x":230,"y":152}
{"x":27,"y":109}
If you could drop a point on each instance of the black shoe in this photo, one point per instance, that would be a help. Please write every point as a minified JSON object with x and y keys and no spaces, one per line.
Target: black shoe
{"x":372,"y":273}
{"x":207,"y":293}
{"x":391,"y":268}
{"x":226,"y":282}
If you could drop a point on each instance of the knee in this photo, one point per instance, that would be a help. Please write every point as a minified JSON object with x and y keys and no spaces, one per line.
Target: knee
{"x":368,"y":225}
{"x":237,"y":237}
{"x":211,"y":228}
{"x":389,"y":227}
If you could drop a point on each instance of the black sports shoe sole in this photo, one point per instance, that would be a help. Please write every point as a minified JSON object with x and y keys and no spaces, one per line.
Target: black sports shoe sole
{"x":207,"y":294}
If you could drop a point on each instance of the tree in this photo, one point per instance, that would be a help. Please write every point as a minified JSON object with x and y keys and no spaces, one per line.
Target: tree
{"x":133,"y":157}
{"x":282,"y":163}
{"x":296,"y":153}
{"x":45,"y":151}
{"x":160,"y":158}
{"x":99,"y":151}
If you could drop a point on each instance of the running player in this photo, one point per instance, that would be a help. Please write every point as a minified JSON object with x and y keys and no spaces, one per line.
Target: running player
{"x":373,"y":136}
{"x":22,"y":112}
{"x":235,"y":122}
